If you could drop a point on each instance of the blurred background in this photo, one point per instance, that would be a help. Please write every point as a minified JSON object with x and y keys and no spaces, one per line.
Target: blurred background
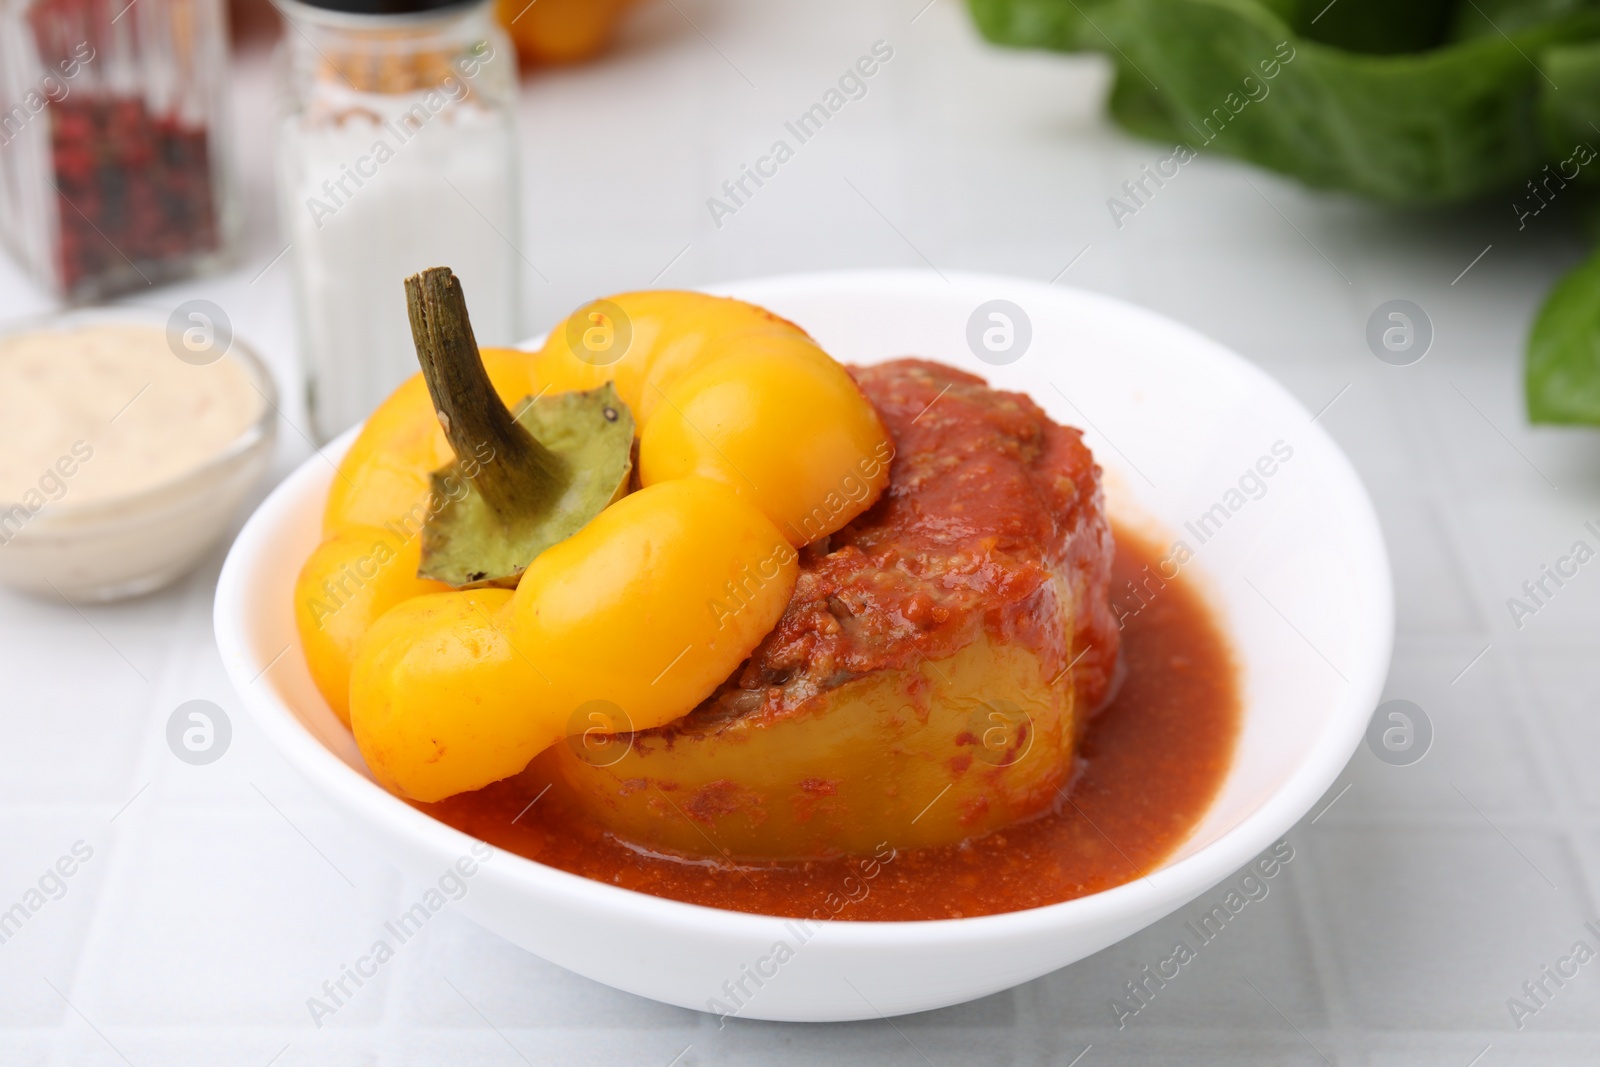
{"x":1422,"y":895}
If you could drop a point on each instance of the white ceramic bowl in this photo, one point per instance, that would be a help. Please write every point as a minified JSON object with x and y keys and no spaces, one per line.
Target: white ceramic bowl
{"x":1298,"y":572}
{"x":128,"y":545}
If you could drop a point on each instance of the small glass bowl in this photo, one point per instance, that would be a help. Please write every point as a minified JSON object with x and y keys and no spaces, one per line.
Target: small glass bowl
{"x":124,"y":546}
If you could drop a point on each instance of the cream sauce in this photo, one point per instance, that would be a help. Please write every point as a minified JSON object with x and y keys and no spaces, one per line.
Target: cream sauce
{"x":100,"y":411}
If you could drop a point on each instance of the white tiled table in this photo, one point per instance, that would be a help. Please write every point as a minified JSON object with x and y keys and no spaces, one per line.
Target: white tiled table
{"x":219,"y":898}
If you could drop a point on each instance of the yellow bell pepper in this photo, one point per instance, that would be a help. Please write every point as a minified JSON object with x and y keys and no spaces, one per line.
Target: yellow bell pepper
{"x":560,"y":31}
{"x":752,"y":441}
{"x":372,"y":521}
{"x":863,"y":764}
{"x":454,"y":691}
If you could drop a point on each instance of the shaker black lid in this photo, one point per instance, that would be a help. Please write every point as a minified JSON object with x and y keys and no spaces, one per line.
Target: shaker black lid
{"x":386,"y":7}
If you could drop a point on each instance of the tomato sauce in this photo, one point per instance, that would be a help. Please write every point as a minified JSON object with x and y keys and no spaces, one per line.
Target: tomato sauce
{"x":1149,"y":765}
{"x":991,"y":506}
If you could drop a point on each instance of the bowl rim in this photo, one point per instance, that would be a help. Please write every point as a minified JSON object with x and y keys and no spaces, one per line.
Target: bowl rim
{"x":166,"y":493}
{"x":1153,"y":894}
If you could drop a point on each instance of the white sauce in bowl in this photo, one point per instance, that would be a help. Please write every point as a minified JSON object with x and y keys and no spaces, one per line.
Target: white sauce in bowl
{"x":121,"y":464}
{"x":107,"y":410}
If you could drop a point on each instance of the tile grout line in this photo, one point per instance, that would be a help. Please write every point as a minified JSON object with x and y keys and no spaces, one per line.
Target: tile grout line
{"x":1315,"y":921}
{"x":1544,"y":749}
{"x":83,"y":982}
{"x":1471,"y":559}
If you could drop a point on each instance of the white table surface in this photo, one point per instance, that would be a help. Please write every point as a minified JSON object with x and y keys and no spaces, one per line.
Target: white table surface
{"x":219,"y":898}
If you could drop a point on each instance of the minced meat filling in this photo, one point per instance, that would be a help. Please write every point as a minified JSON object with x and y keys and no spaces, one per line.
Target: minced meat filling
{"x":993,"y":514}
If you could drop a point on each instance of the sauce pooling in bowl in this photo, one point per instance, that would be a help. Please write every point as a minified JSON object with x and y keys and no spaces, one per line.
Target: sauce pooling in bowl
{"x":1150,"y":764}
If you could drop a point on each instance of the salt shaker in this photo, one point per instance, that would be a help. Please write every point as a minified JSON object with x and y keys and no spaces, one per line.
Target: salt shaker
{"x":397,"y":153}
{"x":114,"y":169}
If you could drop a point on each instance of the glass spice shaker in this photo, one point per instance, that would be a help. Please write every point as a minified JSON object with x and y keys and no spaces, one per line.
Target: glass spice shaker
{"x":398,"y":153}
{"x":113,"y":166}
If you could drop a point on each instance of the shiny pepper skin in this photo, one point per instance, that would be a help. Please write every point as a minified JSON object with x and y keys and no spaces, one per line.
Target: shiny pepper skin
{"x":752,"y":442}
{"x":560,"y":31}
{"x":371,"y":523}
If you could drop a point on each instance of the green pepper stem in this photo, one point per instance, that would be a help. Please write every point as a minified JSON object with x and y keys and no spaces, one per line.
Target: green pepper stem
{"x":520,"y":476}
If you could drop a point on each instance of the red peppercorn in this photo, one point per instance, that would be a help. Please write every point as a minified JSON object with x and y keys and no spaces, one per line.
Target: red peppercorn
{"x":133,"y":180}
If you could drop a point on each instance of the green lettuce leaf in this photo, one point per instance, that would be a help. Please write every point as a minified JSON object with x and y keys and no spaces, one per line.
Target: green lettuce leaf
{"x":1563,"y":370}
{"x":1571,"y":117}
{"x":1398,"y":120}
{"x":1414,"y":102}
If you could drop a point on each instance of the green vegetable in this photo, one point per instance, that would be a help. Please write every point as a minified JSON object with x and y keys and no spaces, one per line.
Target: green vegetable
{"x":1403,"y":101}
{"x":1376,"y":99}
{"x":1563,"y":380}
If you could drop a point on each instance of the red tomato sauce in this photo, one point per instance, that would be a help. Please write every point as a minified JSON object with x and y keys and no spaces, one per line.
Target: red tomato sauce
{"x":1149,"y":765}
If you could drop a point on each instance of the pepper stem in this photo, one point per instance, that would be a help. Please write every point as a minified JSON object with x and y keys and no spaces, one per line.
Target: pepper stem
{"x":520,"y":475}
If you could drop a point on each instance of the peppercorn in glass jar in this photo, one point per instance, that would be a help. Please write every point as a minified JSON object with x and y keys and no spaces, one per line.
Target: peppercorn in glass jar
{"x":113,"y":170}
